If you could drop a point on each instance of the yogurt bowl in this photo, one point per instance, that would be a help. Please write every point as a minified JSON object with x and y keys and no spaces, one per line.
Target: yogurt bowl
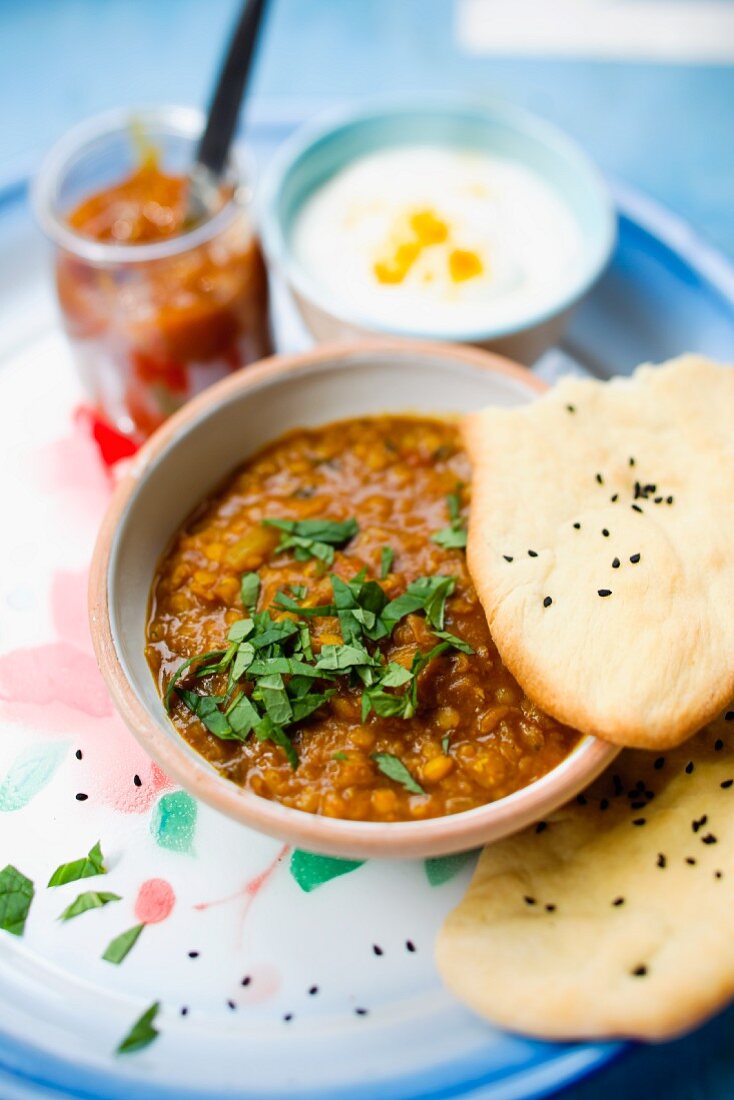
{"x":184,"y":461}
{"x":473,"y":222}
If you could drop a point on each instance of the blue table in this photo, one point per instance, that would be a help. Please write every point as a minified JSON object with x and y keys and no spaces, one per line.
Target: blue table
{"x":664,"y":128}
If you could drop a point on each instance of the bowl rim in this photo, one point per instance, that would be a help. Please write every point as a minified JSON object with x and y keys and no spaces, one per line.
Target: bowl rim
{"x":342,"y":119}
{"x":332,"y":836}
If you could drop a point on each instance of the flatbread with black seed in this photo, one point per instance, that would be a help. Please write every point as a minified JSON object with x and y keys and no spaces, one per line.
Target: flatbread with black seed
{"x":613,"y":917}
{"x":601,"y":543}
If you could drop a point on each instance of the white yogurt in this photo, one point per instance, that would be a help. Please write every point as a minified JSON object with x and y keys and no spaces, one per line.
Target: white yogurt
{"x":493,"y":243}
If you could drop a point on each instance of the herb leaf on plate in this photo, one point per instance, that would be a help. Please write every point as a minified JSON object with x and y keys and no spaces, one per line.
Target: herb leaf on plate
{"x":16,"y":895}
{"x":142,"y":1033}
{"x":91,"y":899}
{"x":313,"y":538}
{"x":395,"y":769}
{"x":387,"y":556}
{"x":90,"y":865}
{"x":120,"y":947}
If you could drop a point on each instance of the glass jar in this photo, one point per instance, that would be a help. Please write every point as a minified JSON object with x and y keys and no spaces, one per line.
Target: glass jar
{"x":152,"y":324}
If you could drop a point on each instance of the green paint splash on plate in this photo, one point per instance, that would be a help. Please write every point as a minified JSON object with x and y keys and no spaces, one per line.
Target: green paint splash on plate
{"x":29,"y":773}
{"x":311,"y":871}
{"x":443,"y":868}
{"x":173,"y":823}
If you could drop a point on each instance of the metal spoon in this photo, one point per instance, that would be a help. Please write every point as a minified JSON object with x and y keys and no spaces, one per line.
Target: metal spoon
{"x":214,"y":145}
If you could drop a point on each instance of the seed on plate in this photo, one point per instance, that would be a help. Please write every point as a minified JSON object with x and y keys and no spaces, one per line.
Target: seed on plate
{"x":728,"y":717}
{"x":615,"y":563}
{"x":614,"y":498}
{"x":718,"y":745}
{"x":634,"y":558}
{"x":547,"y":601}
{"x":709,"y":839}
{"x":690,"y":861}
{"x":639,"y":972}
{"x":529,"y":901}
{"x":689,"y":767}
{"x":577,"y":526}
{"x":635,"y":507}
{"x":618,"y":901}
{"x":507,"y":557}
{"x":662,"y":860}
{"x":659,"y":763}
{"x":571,"y":408}
{"x":605,"y":532}
{"x":532,"y":554}
{"x":600,"y":479}
{"x":604,"y":592}
{"x":631,"y":461}
{"x":639,"y":821}
{"x":726,"y":784}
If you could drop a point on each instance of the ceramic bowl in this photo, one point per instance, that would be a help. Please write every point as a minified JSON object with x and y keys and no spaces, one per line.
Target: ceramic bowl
{"x":185,"y":460}
{"x":322,"y":148}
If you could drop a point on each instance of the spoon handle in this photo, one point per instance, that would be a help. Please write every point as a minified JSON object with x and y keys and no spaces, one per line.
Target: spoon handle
{"x":224,"y":109}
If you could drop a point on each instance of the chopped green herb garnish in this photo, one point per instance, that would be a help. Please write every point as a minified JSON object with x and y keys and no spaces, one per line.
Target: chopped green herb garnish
{"x":427,"y":594}
{"x":395,"y":769}
{"x":16,"y":895}
{"x":387,"y":556}
{"x":456,"y":642}
{"x":289,"y":604}
{"x":121,"y":946}
{"x":313,"y":538}
{"x":90,"y":865}
{"x":340,"y":658}
{"x":91,"y":899}
{"x":452,"y":537}
{"x":250,"y":590}
{"x":339,"y":756}
{"x":445,"y":745}
{"x":142,"y":1033}
{"x":215,"y":654}
{"x":206,"y":709}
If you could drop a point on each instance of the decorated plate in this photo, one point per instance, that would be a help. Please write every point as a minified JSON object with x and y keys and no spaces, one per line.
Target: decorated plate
{"x":278,"y":972}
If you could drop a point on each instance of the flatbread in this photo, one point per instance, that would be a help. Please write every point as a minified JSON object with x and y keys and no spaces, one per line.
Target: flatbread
{"x":613,"y":918}
{"x":601,"y":543}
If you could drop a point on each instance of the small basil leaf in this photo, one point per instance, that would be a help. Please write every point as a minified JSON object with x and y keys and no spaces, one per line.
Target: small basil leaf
{"x":91,"y":899}
{"x":142,"y":1033}
{"x":90,"y":865}
{"x":249,"y":591}
{"x":120,"y":947}
{"x":16,"y":895}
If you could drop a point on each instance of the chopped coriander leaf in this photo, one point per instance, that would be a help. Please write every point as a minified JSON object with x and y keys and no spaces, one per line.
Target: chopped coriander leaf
{"x":250,"y":590}
{"x":275,"y":632}
{"x":271,"y":691}
{"x":120,"y":947}
{"x":240,"y":630}
{"x":207,"y":711}
{"x":395,"y":675}
{"x":339,"y":756}
{"x":427,"y":594}
{"x":266,"y":730}
{"x":243,"y":660}
{"x":307,"y":704}
{"x":288,"y":604}
{"x":340,"y":658}
{"x":142,"y":1033}
{"x":16,"y":895}
{"x":386,"y":704}
{"x":215,"y":654}
{"x":286,"y":666}
{"x":387,"y":556}
{"x":313,"y":538}
{"x":456,"y":642}
{"x":395,"y":769}
{"x":242,"y":716}
{"x":90,"y":865}
{"x":445,"y":741}
{"x":452,"y":537}
{"x":91,"y":899}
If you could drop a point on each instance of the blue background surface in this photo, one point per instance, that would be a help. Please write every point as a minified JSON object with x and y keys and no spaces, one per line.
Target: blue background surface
{"x":666,"y":129}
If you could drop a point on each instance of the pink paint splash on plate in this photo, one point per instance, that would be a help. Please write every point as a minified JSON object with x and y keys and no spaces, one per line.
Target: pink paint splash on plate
{"x":155,"y":901}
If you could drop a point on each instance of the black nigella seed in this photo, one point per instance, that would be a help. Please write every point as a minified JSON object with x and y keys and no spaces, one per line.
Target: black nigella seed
{"x":604,"y":804}
{"x":360,"y":1012}
{"x":718,"y":745}
{"x":541,"y":826}
{"x":638,"y":491}
{"x":618,"y":901}
{"x":577,"y":526}
{"x":669,"y":500}
{"x":507,"y":557}
{"x":288,"y":1017}
{"x":605,"y":533}
{"x":639,"y":821}
{"x":550,"y":908}
{"x":604,"y":592}
{"x":615,"y":563}
{"x":726,"y":784}
{"x":600,"y":479}
{"x":232,"y":1005}
{"x":532,"y":554}
{"x":82,"y":797}
{"x":696,"y":825}
{"x":571,"y":408}
{"x":193,"y":954}
{"x":659,"y":763}
{"x":547,"y":601}
{"x":634,"y":558}
{"x":658,"y":500}
{"x":78,"y":754}
{"x":581,"y":799}
{"x":635,"y":507}
{"x":728,"y":717}
{"x":614,"y":498}
{"x":690,"y":861}
{"x":709,"y":839}
{"x":137,"y":781}
{"x":649,"y":795}
{"x":631,"y":461}
{"x":313,"y":991}
{"x":246,"y":980}
{"x":184,"y":1010}
{"x":718,"y":874}
{"x":639,"y":972}
{"x":662,"y":861}
{"x":377,"y":949}
{"x":689,"y":767}
{"x":618,"y":788}
{"x":410,"y":946}
{"x":529,"y":901}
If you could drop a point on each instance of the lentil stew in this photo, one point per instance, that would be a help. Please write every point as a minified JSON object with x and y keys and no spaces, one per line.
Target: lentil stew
{"x":316,"y":636}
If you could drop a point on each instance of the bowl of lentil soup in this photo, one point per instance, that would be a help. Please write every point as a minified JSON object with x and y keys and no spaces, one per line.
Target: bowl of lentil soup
{"x":282,"y":611}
